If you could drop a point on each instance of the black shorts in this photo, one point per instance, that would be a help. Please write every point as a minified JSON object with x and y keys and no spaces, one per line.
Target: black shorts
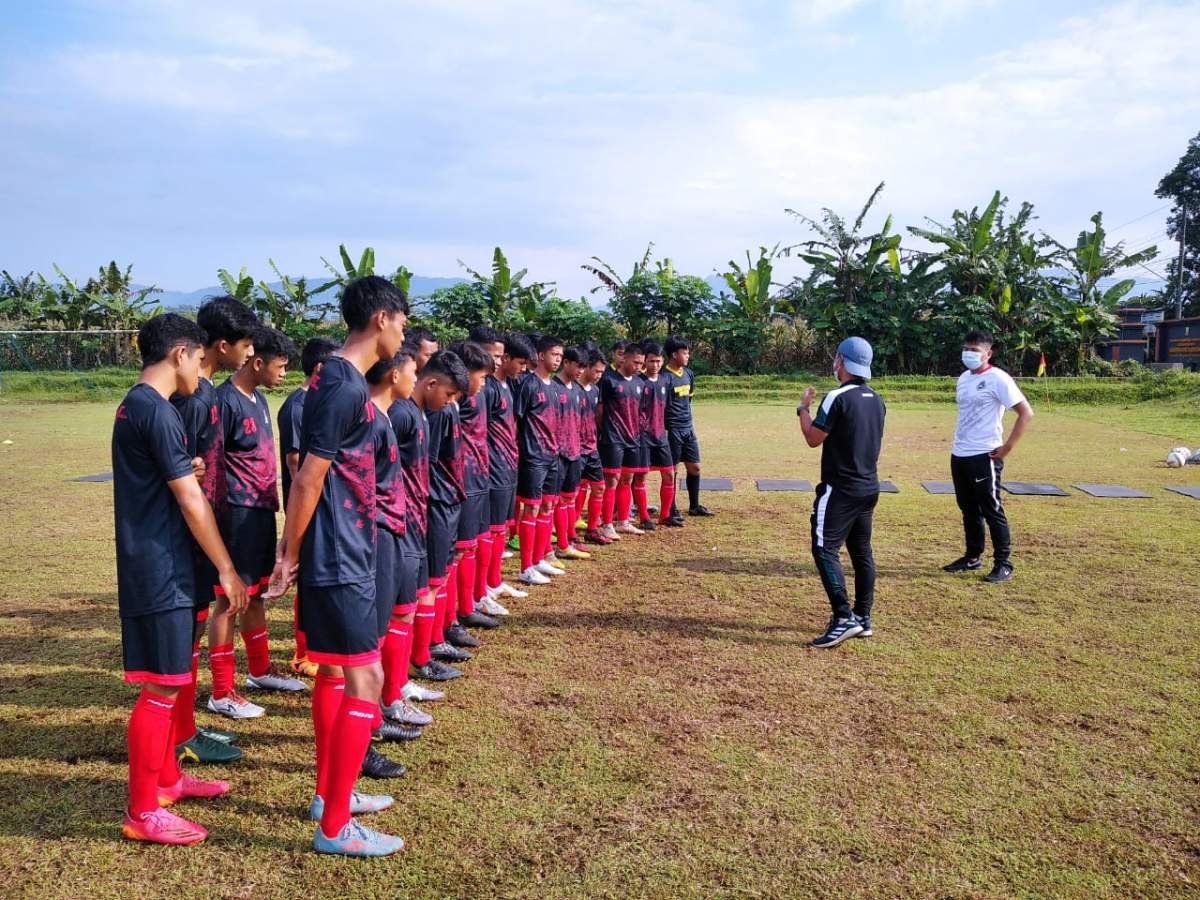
{"x":592,"y":470}
{"x":572,"y":470}
{"x":616,"y":458}
{"x":501,"y":502}
{"x":206,"y":580}
{"x":341,"y":623}
{"x":659,"y":455}
{"x":249,"y":533}
{"x":157,"y":648}
{"x":408,"y":573}
{"x":684,"y":447}
{"x":536,"y":479}
{"x":472,"y":519}
{"x":387,"y":576}
{"x":442,"y":536}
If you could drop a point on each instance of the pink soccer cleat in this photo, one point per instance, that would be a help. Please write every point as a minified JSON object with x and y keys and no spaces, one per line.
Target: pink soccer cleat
{"x":188,"y":787}
{"x":163,"y":827}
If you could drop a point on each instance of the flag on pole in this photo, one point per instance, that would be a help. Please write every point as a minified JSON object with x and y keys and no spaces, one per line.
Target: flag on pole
{"x":1042,"y":366}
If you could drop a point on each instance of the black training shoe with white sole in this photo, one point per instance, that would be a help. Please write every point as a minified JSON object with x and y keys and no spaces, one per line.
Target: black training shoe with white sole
{"x":458,"y":636}
{"x":435,"y":670}
{"x":838,"y":631}
{"x":701,"y":511}
{"x":447,"y":652}
{"x":479,"y":620}
{"x":867,"y":631}
{"x":1000,"y":573}
{"x":376,"y":765}
{"x":391,"y":730}
{"x":964,"y":564}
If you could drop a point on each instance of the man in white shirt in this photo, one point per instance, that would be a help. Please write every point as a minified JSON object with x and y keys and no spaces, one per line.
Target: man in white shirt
{"x":977,"y":458}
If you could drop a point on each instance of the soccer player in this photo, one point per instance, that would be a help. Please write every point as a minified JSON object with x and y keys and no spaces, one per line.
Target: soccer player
{"x":439,"y":382}
{"x":536,"y":404}
{"x":616,"y":355}
{"x":228,"y":325}
{"x":657,"y":448}
{"x":511,"y":355}
{"x":977,"y":457}
{"x":422,"y":343}
{"x":591,"y":492}
{"x":329,"y":541}
{"x":619,"y":415}
{"x":681,"y":432}
{"x":290,"y":417}
{"x":849,"y":430}
{"x":159,"y":510}
{"x":248,"y":523}
{"x":573,"y":405}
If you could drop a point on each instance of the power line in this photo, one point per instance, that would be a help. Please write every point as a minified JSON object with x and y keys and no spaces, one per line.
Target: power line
{"x":1139,"y":218}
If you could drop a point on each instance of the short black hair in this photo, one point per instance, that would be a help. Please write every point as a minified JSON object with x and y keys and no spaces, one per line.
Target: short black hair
{"x":225,"y":319}
{"x":674,"y":343}
{"x":445,"y":365}
{"x":270,"y":343}
{"x":633,"y":348}
{"x":474,"y":356}
{"x":316,"y":351}
{"x":363,"y":297}
{"x":618,"y":345}
{"x":485,"y":334}
{"x":548,"y":342}
{"x":577,"y":355}
{"x":652,"y":347}
{"x":595,"y":356}
{"x":517,"y":346}
{"x":378,"y":372}
{"x":160,"y":335}
{"x":533,"y":337}
{"x":416,"y":335}
{"x":979,"y":336}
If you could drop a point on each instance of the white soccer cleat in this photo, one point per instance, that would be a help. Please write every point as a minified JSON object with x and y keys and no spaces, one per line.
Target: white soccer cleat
{"x":404,"y":712}
{"x":533,"y":575}
{"x":235,"y":706}
{"x":507,"y":554}
{"x":490,"y":607}
{"x":547,"y":569}
{"x":507,"y":590}
{"x":414,"y":691}
{"x":628,"y":528}
{"x":273,"y":680}
{"x":610,"y":532}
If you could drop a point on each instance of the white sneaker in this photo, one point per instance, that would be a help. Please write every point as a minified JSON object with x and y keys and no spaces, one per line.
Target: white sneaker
{"x":507,"y":554}
{"x":507,"y":590}
{"x":414,"y":691}
{"x":627,"y":528}
{"x":490,"y":607}
{"x":546,"y":569}
{"x":533,"y":575}
{"x":610,"y":532}
{"x":404,"y":712}
{"x":235,"y":706}
{"x":273,"y":680}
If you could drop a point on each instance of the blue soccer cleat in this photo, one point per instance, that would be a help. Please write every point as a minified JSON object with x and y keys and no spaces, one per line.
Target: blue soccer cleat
{"x":357,"y":840}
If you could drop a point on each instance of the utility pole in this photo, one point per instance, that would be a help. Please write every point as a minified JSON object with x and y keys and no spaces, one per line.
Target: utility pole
{"x":1182,"y":245}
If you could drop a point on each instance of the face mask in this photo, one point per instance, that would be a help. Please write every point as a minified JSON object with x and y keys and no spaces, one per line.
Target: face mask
{"x":972,"y":359}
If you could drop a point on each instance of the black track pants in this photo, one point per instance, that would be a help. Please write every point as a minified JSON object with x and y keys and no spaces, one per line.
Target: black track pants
{"x":977,"y":489}
{"x":838,"y":519}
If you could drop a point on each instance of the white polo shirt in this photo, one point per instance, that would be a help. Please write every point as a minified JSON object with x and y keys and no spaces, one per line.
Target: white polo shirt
{"x":982,"y":400}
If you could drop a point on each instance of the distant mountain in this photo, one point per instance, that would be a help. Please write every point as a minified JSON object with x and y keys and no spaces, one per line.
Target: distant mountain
{"x":422,"y":286}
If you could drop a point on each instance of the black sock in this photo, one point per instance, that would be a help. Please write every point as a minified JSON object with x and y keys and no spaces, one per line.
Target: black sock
{"x":693,"y":489}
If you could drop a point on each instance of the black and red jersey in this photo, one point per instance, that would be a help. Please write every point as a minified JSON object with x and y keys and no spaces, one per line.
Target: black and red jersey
{"x":621,"y":423}
{"x":446,"y":456}
{"x":536,"y":404}
{"x":502,"y":433}
{"x":654,"y":409}
{"x":570,"y":414}
{"x":389,"y":480}
{"x":412,"y":438}
{"x":202,"y":436}
{"x":473,"y":419}
{"x":587,"y":421}
{"x":251,"y":469}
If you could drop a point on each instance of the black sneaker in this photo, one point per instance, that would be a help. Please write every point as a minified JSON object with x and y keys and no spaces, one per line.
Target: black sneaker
{"x":434,"y":670}
{"x":700,"y":511}
{"x":647,"y":525}
{"x":376,"y":765}
{"x":838,"y":631}
{"x":1000,"y":573}
{"x":479,"y":620}
{"x":673,"y":521}
{"x":447,"y":652}
{"x":391,"y":730}
{"x":652,"y":510}
{"x":867,"y":631}
{"x":964,"y":564}
{"x":460,"y":637}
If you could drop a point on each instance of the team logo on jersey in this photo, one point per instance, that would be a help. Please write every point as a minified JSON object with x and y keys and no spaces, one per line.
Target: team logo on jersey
{"x":213,"y":416}
{"x":981,"y":386}
{"x":393,"y":453}
{"x":121,"y":414}
{"x":249,"y":425}
{"x":503,"y":404}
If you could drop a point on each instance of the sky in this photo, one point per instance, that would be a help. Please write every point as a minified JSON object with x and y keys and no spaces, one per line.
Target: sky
{"x":182,"y":137}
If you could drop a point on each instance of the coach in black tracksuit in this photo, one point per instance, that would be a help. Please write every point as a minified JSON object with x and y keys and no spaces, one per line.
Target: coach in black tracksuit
{"x":849,"y":429}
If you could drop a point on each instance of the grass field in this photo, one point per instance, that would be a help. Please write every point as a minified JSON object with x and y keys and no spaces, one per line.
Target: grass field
{"x":656,"y":725}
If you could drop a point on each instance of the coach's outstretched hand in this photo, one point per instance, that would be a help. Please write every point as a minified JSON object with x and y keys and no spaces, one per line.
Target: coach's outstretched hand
{"x":235,"y":590}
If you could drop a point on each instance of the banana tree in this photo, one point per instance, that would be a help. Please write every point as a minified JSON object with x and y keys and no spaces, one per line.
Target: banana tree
{"x":349,"y":271}
{"x":240,"y":287}
{"x":506,"y":292}
{"x":751,"y":286}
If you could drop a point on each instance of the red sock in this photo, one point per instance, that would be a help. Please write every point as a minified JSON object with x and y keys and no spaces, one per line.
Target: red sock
{"x":542,"y":545}
{"x":220,"y":661}
{"x":258,"y":652}
{"x":438,"y":589}
{"x":624,"y":500}
{"x":596,"y":503}
{"x":148,"y":738}
{"x":348,"y":741}
{"x":185,"y":703}
{"x":581,"y":496}
{"x":169,"y":774}
{"x":666,"y":495}
{"x":483,"y":564}
{"x":466,"y":581}
{"x":450,"y":586}
{"x":397,"y":648}
{"x":495,"y":575}
{"x":301,"y":640}
{"x":326,"y":701}
{"x":643,"y":502}
{"x":422,"y":634}
{"x":528,"y":536}
{"x":564,"y":521}
{"x":610,"y":502}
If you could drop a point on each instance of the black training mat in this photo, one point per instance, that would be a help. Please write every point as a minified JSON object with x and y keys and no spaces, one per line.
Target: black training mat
{"x":1034,"y":490}
{"x":1193,"y":492}
{"x":938,"y":487}
{"x":886,"y":487}
{"x":775,"y":484}
{"x":103,"y":476}
{"x":1112,"y":491}
{"x":716,"y":484}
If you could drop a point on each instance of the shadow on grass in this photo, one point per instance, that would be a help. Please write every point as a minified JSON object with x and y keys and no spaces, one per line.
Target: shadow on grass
{"x":674,"y":626}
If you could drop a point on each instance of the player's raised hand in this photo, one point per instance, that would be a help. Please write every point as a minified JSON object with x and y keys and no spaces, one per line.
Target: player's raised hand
{"x":235,"y":591}
{"x":282,"y":578}
{"x":809,"y":394}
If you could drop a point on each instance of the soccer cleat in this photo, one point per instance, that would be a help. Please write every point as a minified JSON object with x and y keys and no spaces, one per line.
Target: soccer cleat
{"x":672,"y":521}
{"x":867,"y":631}
{"x":508,"y":554}
{"x":200,"y":748}
{"x":701,"y":511}
{"x":457,"y":636}
{"x":838,"y":631}
{"x":404,"y":712}
{"x":652,"y":509}
{"x":480,"y":620}
{"x":610,"y":532}
{"x":647,"y":525}
{"x":533,"y":576}
{"x":581,"y":524}
{"x":547,"y":568}
{"x":235,"y":706}
{"x":595,"y":536}
{"x":491,"y":607}
{"x":395,"y":732}
{"x":163,"y":827}
{"x":413,"y":691}
{"x":304,"y":667}
{"x":964,"y":564}
{"x":189,"y":788}
{"x":447,"y":652}
{"x":225,"y":737}
{"x":627,"y":528}
{"x":360,"y":804}
{"x":357,"y":840}
{"x":554,"y":561}
{"x":436,"y":670}
{"x":573,"y":552}
{"x":507,"y":590}
{"x":1000,"y":573}
{"x":513,"y":544}
{"x":376,"y":765}
{"x":274,"y":680}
